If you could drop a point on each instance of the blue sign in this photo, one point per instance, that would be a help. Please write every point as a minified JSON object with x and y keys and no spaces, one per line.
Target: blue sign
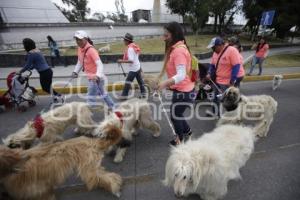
{"x":267,"y":18}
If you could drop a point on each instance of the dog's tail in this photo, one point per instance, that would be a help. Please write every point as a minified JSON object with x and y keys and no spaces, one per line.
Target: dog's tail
{"x":112,"y":136}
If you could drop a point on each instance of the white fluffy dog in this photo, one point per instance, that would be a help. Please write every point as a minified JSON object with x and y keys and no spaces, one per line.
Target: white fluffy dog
{"x":257,"y":110}
{"x":204,"y":166}
{"x":50,"y":126}
{"x":130,"y":115}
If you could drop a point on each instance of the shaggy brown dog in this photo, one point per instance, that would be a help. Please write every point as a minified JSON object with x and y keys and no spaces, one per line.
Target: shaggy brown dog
{"x":151,"y":82}
{"x":48,"y":166}
{"x":50,"y":126}
{"x":133,"y":114}
{"x":9,"y":159}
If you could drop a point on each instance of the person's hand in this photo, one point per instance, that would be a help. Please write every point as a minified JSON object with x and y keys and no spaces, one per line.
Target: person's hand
{"x":232,"y":82}
{"x":208,"y":77}
{"x":161,"y":86}
{"x":119,"y":60}
{"x":18,"y":73}
{"x":74,"y":75}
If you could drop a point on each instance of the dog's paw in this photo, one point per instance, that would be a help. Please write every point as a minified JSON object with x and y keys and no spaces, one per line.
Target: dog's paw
{"x":156,"y":134}
{"x":118,"y":159}
{"x":116,"y":183}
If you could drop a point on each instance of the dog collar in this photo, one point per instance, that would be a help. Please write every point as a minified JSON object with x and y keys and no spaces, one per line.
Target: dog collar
{"x":38,"y":124}
{"x":120,"y":116}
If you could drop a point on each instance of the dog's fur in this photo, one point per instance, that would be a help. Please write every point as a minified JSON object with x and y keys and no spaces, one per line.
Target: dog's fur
{"x":9,"y":160}
{"x":257,"y":109}
{"x":277,"y":79}
{"x":48,"y":166}
{"x":151,"y":82}
{"x":204,"y":166}
{"x":55,"y":122}
{"x":136,"y":114}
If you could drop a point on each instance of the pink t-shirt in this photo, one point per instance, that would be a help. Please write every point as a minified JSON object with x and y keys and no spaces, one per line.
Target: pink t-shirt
{"x":91,"y":56}
{"x":242,"y":70}
{"x":180,"y":55}
{"x":262,"y":52}
{"x":229,"y":58}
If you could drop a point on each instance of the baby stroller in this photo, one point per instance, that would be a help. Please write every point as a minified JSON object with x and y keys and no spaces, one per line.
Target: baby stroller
{"x":19,"y":91}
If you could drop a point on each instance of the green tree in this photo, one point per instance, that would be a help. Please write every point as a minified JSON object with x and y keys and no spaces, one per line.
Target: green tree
{"x":220,"y":9}
{"x":180,"y":7}
{"x":198,"y":16}
{"x":286,"y":14}
{"x":98,"y":16}
{"x":78,"y":11}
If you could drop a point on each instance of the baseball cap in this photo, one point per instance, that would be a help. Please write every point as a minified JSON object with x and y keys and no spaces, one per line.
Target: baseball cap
{"x":215,"y":42}
{"x":80,"y":34}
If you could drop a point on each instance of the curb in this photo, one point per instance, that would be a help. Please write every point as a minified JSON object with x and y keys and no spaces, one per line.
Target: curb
{"x":118,"y":87}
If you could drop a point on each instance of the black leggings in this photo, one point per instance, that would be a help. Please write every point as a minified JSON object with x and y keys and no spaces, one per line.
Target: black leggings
{"x":46,"y":81}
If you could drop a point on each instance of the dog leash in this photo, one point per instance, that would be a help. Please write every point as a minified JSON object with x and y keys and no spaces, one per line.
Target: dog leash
{"x":120,"y":65}
{"x":157,"y":94}
{"x":216,"y":86}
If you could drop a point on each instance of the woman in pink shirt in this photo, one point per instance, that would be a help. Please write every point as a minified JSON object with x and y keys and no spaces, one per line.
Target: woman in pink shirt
{"x":89,"y":61}
{"x":261,"y":53}
{"x":178,"y":67}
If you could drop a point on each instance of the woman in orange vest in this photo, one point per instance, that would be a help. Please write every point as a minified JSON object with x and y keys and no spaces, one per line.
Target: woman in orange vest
{"x":178,"y":66}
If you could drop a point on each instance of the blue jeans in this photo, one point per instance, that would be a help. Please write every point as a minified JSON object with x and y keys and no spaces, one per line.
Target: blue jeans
{"x":130,"y":77}
{"x":259,"y":61}
{"x":97,"y":88}
{"x":179,"y":123}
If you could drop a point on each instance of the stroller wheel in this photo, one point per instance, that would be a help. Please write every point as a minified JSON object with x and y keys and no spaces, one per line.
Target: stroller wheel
{"x":22,"y":108}
{"x":31,"y":103}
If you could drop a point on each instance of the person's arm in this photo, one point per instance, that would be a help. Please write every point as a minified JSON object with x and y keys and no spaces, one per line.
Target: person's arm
{"x":28,"y":64}
{"x":234,"y":72}
{"x":266,"y":48}
{"x":235,"y":61}
{"x":77,"y":69}
{"x":100,"y":68}
{"x":177,"y":78}
{"x":131,"y":54}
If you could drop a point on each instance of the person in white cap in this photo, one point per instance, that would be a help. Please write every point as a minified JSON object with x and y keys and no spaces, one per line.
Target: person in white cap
{"x":90,"y":62}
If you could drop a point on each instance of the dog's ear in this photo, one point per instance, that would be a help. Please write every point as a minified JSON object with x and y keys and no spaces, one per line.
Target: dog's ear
{"x":113,"y":132}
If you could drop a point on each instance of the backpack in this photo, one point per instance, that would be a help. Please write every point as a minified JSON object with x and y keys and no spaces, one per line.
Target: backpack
{"x":194,"y":74}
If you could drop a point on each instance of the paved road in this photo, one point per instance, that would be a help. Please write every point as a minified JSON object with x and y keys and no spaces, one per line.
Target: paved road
{"x":272,"y":173}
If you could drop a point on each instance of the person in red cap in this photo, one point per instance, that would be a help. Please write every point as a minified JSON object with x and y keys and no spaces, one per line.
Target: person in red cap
{"x":131,"y":56}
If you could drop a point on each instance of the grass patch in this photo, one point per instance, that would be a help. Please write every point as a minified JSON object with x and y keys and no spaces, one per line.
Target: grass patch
{"x":154,"y":45}
{"x":287,"y":60}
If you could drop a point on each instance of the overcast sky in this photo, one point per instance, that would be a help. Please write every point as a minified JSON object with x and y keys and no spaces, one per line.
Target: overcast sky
{"x":109,"y":5}
{"x":130,"y":5}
